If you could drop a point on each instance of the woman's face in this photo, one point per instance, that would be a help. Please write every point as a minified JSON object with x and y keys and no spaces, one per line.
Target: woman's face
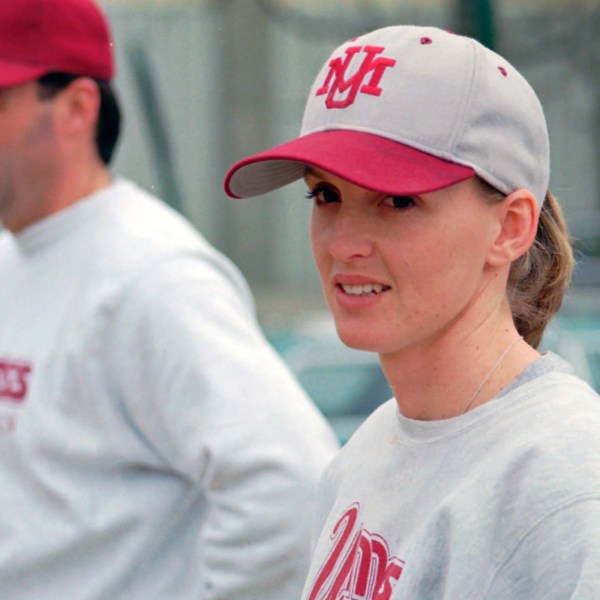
{"x":400,"y":272}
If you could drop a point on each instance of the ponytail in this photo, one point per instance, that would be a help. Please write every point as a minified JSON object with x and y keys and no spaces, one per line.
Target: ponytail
{"x":538,"y":280}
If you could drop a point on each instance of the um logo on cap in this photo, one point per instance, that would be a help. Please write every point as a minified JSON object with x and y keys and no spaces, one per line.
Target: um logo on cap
{"x":341,"y":91}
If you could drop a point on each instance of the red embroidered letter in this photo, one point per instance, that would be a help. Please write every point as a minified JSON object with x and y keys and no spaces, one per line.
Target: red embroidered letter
{"x":347,"y":89}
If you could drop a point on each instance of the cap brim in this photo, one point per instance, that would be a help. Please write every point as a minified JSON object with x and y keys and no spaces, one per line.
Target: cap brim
{"x":12,"y":73}
{"x":367,"y":160}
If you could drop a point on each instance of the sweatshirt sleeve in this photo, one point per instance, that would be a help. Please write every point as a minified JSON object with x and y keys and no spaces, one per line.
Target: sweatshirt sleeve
{"x":557,"y":559}
{"x":218,"y":407}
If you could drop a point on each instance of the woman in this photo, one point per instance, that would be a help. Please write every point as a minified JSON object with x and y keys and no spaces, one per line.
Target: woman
{"x":440,"y":248}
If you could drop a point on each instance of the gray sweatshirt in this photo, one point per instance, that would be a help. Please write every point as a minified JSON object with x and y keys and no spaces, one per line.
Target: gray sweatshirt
{"x":502,"y":503}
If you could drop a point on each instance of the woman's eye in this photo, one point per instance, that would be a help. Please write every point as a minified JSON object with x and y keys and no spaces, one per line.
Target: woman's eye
{"x":400,"y":202}
{"x":323,"y":195}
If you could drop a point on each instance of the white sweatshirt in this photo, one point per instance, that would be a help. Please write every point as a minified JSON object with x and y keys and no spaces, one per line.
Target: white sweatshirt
{"x":152,"y":444}
{"x":502,"y":503}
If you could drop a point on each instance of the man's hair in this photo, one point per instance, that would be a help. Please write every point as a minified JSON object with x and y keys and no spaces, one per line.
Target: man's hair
{"x":109,"y":118}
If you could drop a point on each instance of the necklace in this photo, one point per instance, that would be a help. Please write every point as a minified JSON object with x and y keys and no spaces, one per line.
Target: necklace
{"x":490,"y":372}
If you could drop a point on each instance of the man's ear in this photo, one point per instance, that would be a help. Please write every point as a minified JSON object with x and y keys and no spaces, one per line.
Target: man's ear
{"x":518,"y":214}
{"x":78,"y":107}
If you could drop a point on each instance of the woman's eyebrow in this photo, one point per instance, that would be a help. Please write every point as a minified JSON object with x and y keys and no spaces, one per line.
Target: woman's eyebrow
{"x":309,"y":171}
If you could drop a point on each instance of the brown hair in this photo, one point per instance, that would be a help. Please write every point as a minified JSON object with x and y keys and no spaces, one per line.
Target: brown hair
{"x":538,"y":280}
{"x":109,"y":117}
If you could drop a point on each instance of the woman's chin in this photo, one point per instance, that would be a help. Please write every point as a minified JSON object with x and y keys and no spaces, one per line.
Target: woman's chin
{"x":357,"y":340}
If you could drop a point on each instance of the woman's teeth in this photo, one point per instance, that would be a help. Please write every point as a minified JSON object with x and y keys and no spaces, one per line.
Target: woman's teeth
{"x":364,"y":290}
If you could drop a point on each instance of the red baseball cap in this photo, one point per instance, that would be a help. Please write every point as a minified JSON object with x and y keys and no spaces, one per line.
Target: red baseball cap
{"x":43,"y":36}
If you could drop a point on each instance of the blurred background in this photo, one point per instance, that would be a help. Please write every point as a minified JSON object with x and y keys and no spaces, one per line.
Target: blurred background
{"x":205,"y":82}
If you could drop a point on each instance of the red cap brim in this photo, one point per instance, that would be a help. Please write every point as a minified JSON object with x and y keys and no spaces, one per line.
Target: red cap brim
{"x":13,"y":73}
{"x":369,"y":161}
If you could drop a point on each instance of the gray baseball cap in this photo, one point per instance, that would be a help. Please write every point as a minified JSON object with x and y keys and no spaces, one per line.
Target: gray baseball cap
{"x":407,"y":110}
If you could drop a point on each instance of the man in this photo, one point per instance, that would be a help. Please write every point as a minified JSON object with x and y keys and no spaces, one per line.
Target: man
{"x":152,"y":444}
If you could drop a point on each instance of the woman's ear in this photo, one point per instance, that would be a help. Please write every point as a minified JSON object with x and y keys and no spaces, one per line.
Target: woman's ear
{"x":518,"y":214}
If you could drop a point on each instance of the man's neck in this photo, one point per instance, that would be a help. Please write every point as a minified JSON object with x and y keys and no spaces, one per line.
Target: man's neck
{"x":60,"y":192}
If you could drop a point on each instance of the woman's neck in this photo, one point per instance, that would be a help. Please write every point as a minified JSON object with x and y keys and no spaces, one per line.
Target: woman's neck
{"x":453,"y":375}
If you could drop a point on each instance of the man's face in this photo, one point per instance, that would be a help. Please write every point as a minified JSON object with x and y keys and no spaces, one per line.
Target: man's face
{"x":27,"y":153}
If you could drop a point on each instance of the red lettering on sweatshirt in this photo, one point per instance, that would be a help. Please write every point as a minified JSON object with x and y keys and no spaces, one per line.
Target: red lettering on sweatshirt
{"x":359,"y":566}
{"x":14,"y":380}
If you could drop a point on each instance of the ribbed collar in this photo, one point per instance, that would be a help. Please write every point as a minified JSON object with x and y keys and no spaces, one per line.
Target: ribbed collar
{"x":419,"y":432}
{"x":61,"y":225}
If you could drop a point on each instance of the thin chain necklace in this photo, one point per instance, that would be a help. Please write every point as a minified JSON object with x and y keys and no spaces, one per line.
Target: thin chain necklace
{"x":491,"y":372}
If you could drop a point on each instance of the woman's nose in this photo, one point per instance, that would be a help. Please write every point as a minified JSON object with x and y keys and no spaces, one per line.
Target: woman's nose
{"x":349,"y":236}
